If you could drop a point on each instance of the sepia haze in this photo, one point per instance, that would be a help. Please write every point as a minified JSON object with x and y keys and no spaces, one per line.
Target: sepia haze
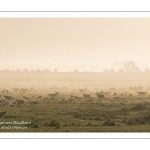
{"x":75,"y":75}
{"x":86,"y":44}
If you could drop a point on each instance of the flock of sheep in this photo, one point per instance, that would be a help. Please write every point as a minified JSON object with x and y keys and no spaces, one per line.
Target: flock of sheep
{"x":7,"y":97}
{"x":32,"y":96}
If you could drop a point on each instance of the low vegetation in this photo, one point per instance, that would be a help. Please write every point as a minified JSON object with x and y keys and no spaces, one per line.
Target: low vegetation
{"x":71,"y":111}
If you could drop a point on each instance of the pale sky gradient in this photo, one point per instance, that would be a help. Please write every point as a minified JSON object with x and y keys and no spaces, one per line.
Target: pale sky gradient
{"x":82,"y":43}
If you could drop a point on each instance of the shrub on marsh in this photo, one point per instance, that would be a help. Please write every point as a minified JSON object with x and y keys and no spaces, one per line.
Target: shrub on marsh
{"x":140,"y":120}
{"x":97,"y":118}
{"x":139,"y":106}
{"x":78,"y":116}
{"x":109,"y":123}
{"x":89,"y":124}
{"x":54,"y":123}
{"x":35,"y":125}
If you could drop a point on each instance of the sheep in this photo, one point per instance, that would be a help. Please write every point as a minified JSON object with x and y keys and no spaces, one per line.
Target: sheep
{"x":86,"y":95}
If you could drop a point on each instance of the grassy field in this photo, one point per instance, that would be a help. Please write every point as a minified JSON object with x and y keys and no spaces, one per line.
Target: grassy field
{"x":65,"y":114}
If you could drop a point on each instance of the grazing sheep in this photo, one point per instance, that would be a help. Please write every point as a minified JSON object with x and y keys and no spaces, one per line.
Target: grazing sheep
{"x":99,"y":95}
{"x":2,"y":101}
{"x":115,"y":94}
{"x":57,"y":93}
{"x":82,"y":90}
{"x":86,"y":95}
{"x":8,"y":97}
{"x":141,"y":93}
{"x":116,"y":97}
{"x":20,"y":101}
{"x":39,"y":97}
{"x":52,"y":95}
{"x":5,"y":104}
{"x":12,"y":105}
{"x":34,"y":102}
{"x":25,"y":97}
{"x":130,"y":95}
{"x":77,"y":97}
{"x":19,"y":105}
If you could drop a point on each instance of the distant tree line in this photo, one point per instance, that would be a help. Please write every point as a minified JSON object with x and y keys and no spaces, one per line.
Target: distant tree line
{"x":48,"y":72}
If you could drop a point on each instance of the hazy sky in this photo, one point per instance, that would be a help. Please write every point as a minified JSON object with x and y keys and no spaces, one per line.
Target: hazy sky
{"x":86,"y":43}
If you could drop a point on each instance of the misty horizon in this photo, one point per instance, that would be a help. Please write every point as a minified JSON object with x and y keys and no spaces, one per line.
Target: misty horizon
{"x":66,"y":44}
{"x":88,"y":67}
